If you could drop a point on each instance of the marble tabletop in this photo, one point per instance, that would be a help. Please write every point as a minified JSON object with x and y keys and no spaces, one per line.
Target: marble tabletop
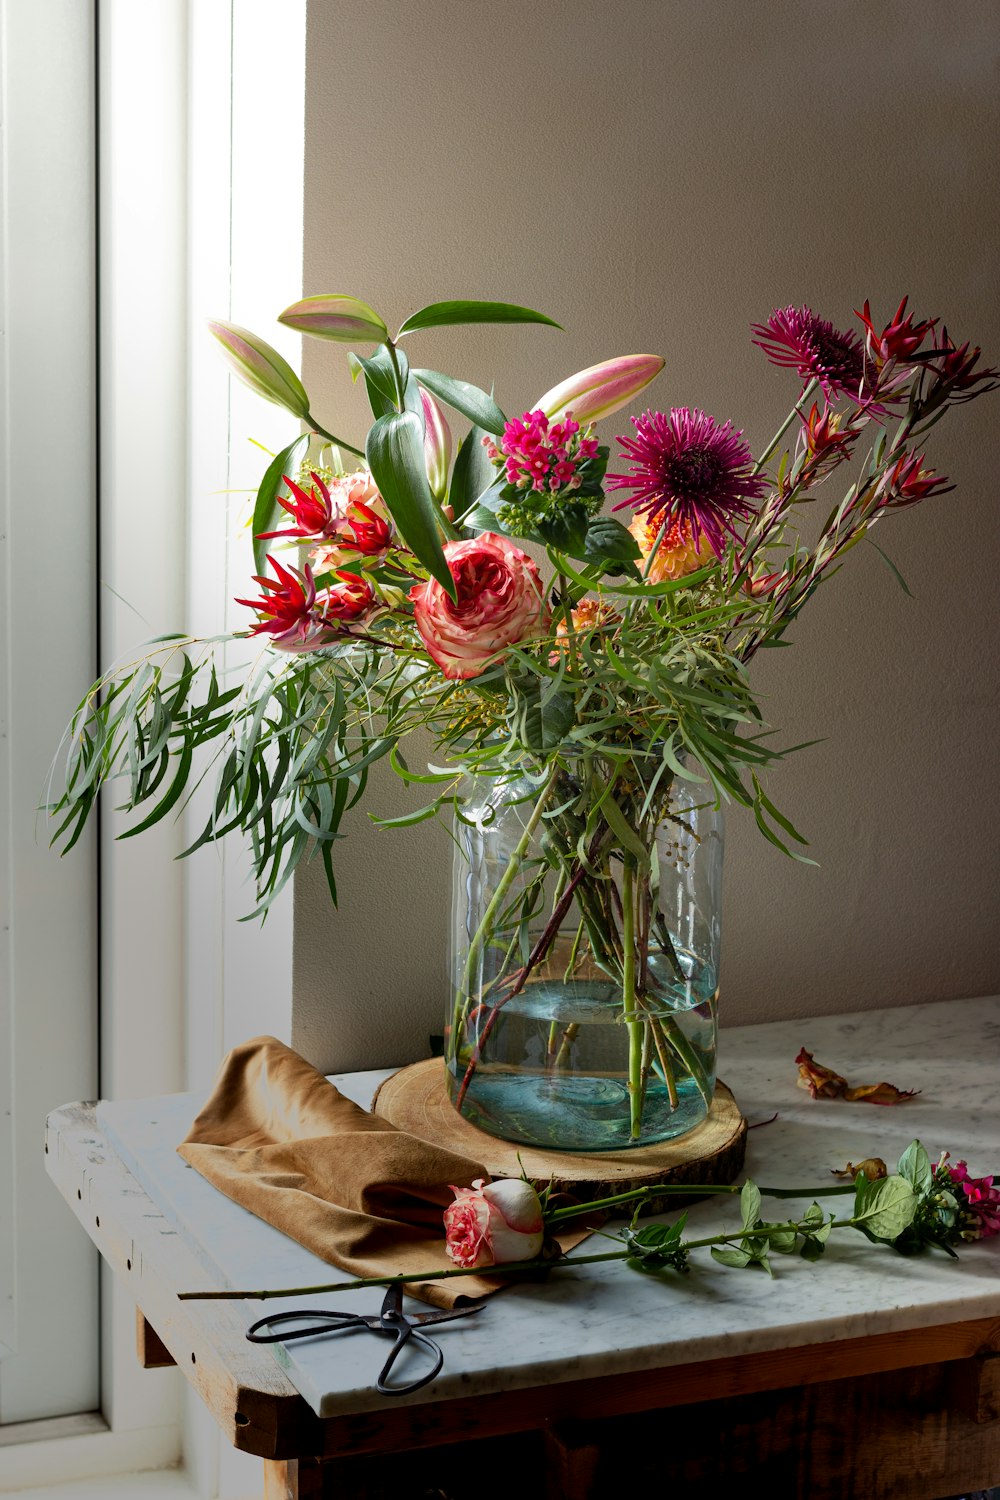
{"x":606,"y":1319}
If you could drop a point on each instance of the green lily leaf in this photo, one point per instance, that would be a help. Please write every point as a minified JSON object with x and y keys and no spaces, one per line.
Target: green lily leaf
{"x":445,"y":314}
{"x":395,"y":453}
{"x":471,"y":476}
{"x":267,"y":511}
{"x":468,"y":399}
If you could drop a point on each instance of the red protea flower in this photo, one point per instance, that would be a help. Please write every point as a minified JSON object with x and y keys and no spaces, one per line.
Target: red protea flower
{"x":311,"y":509}
{"x":899,"y":340}
{"x":957,"y":374}
{"x":372,"y":533}
{"x":797,"y":338}
{"x":908,"y":482}
{"x":296,"y":619}
{"x":689,"y":470}
{"x":826,"y":435}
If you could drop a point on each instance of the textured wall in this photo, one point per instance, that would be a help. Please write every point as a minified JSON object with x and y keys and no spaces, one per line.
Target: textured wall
{"x":656,"y":174}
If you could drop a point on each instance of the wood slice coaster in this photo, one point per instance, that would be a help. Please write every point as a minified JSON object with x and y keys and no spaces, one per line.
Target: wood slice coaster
{"x":416,"y":1100}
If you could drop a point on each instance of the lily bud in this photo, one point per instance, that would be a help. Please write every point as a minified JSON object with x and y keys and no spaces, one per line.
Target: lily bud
{"x":332,"y":316}
{"x":602,"y":389}
{"x":261,"y":368}
{"x":437,"y":445}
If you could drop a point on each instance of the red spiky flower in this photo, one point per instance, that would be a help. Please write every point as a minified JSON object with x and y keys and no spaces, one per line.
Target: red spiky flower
{"x":797,"y":339}
{"x":311,"y":509}
{"x":296,"y":618}
{"x":689,"y":470}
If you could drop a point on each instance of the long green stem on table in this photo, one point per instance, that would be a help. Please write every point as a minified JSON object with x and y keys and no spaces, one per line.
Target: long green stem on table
{"x":562,"y":1263}
{"x":690,"y":1190}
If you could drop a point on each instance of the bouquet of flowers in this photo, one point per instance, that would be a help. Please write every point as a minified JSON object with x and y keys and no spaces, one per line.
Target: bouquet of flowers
{"x":577,"y":643}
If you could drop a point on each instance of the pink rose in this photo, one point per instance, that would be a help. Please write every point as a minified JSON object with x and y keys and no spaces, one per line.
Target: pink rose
{"x":494,"y":1224}
{"x":500,"y":601}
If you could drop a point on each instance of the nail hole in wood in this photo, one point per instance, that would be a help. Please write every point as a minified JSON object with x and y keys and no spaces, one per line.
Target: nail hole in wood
{"x":79,"y":1194}
{"x":97,"y":1220}
{"x":241,"y":1419}
{"x":128,"y":1265}
{"x":193,"y":1360}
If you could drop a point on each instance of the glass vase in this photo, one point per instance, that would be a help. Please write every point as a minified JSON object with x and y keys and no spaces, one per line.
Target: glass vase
{"x":584,"y":959}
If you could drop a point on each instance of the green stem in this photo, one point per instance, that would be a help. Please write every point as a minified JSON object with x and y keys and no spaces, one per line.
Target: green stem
{"x":503,"y":886}
{"x":795,"y":412}
{"x":397,"y":372}
{"x":331,"y":437}
{"x":635,"y":1027}
{"x":563,"y":1263}
{"x":689,"y":1189}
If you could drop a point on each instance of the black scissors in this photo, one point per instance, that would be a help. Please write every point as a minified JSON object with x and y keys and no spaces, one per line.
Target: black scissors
{"x":391,"y":1320}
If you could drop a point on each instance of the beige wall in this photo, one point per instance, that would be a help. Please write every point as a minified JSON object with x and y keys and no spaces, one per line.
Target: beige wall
{"x":656,"y":174}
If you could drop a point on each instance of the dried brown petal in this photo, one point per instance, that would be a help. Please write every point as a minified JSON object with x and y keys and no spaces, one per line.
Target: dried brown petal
{"x":821,"y":1082}
{"x":879,"y":1093}
{"x":873,"y":1167}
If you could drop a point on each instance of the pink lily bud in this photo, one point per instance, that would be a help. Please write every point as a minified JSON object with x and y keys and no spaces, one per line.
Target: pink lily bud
{"x":333,"y":316}
{"x":602,"y":389}
{"x":261,"y":367}
{"x":437,"y":445}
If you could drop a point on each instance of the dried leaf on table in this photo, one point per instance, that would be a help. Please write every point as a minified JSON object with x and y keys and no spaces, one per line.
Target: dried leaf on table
{"x":873,"y":1167}
{"x":824,"y":1083}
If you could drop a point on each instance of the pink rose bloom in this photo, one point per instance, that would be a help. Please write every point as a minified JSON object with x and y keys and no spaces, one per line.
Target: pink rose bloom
{"x":500,"y":601}
{"x":494,"y":1224}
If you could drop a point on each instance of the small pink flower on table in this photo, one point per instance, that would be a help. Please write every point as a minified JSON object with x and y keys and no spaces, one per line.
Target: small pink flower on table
{"x":494,"y":1223}
{"x":500,"y":601}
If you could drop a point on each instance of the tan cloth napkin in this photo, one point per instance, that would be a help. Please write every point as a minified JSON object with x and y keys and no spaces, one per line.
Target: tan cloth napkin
{"x":280,"y":1140}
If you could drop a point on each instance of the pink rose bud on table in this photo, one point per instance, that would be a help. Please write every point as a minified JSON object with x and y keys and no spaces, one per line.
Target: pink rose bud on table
{"x":494,"y":1224}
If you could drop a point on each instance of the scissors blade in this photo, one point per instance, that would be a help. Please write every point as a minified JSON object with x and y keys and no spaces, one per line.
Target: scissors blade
{"x":445,"y":1315}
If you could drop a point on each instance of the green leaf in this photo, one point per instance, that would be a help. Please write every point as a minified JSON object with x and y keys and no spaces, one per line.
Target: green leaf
{"x":445,"y":314}
{"x":483,"y":515}
{"x":395,"y":453}
{"x":892,"y":568}
{"x":472,"y":474}
{"x":566,"y":531}
{"x":737,"y":1258}
{"x":915,"y":1168}
{"x":607,"y":538}
{"x":379,"y":382}
{"x":888,"y":1208}
{"x":543,"y":715}
{"x":266,"y":510}
{"x":468,"y":399}
{"x":750,"y":1203}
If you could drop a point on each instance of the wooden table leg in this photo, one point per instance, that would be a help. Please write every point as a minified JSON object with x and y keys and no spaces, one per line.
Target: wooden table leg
{"x":293,"y":1479}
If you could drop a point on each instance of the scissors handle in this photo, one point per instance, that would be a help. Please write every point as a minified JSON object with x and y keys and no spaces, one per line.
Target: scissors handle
{"x":331,"y":1322}
{"x":405,"y":1331}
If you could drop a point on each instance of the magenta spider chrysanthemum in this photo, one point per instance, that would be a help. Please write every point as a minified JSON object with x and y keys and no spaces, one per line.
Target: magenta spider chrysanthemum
{"x":795,"y":337}
{"x":687,"y":469}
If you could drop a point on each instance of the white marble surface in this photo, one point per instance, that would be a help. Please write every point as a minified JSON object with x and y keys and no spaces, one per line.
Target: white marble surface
{"x":606,"y":1319}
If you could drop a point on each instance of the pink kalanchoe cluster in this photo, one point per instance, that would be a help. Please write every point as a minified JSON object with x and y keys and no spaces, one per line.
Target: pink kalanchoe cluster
{"x":541,"y":455}
{"x":979,"y":1200}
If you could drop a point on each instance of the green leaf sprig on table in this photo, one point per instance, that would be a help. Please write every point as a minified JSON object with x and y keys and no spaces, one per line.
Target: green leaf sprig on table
{"x":920,"y":1206}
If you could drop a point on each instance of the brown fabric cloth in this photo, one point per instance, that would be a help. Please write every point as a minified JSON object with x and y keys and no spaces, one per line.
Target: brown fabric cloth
{"x":280,"y":1140}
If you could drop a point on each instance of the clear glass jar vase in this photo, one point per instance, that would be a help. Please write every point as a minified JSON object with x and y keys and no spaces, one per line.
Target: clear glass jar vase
{"x":585,"y":958}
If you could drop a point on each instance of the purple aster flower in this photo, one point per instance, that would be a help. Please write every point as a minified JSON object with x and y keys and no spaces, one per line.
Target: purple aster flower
{"x":795,"y":337}
{"x":689,"y":470}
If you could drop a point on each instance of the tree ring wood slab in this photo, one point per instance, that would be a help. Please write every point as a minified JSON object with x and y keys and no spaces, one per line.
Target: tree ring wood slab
{"x":416,"y":1100}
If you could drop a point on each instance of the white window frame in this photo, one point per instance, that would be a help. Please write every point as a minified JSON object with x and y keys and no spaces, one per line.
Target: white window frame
{"x":201,"y":214}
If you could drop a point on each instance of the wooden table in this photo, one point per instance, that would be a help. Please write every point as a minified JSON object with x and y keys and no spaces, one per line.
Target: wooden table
{"x":909,"y":1411}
